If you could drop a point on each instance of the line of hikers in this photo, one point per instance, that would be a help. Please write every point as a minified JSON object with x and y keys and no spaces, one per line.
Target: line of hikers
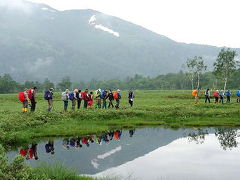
{"x":30,"y":152}
{"x":99,"y":98}
{"x":219,"y":96}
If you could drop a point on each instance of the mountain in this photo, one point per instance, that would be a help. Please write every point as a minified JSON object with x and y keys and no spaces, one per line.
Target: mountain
{"x":38,"y":42}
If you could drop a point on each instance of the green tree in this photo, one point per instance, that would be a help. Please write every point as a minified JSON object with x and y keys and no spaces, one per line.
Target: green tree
{"x":47,"y":84}
{"x":65,"y":83}
{"x":195,"y":67}
{"x":225,"y":65}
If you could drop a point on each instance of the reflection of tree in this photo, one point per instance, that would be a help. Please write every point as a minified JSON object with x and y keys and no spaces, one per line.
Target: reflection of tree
{"x":227,"y":137}
{"x":198,"y":136}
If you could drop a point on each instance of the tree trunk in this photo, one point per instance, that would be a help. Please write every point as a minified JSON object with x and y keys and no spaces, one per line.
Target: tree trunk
{"x":225,"y":84}
{"x":198,"y":80}
{"x":192,"y":84}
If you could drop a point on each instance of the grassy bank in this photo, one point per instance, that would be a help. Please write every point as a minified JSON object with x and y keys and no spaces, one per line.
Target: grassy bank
{"x":152,"y":108}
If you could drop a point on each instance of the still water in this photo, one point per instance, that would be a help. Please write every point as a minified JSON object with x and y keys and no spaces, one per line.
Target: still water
{"x":148,"y":153}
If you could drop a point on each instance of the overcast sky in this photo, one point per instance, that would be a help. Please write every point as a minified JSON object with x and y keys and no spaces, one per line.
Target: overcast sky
{"x":213,"y":22}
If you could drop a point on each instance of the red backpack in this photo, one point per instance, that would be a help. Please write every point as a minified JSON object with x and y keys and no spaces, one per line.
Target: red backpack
{"x":30,"y":94}
{"x":115,"y":95}
{"x":21,"y":97}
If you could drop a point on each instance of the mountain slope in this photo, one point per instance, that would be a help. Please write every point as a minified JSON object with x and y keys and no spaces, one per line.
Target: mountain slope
{"x":85,"y":44}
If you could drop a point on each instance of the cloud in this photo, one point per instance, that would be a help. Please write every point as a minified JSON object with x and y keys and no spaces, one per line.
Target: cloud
{"x":16,"y":5}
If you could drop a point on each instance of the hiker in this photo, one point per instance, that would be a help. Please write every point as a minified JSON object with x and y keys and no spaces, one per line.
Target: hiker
{"x":49,"y":97}
{"x":221,"y":95}
{"x":65,"y":97}
{"x":110,"y":98}
{"x":216,"y":95}
{"x":228,"y":95}
{"x":79,"y":98}
{"x":85,"y":98}
{"x":98,"y":99}
{"x":117,"y":97}
{"x":104,"y":99}
{"x":238,"y":96}
{"x":195,"y":94}
{"x":90,"y":99}
{"x":49,"y":147}
{"x":207,"y":96}
{"x":131,"y":96}
{"x":32,"y":97}
{"x":73,"y":98}
{"x":23,"y":97}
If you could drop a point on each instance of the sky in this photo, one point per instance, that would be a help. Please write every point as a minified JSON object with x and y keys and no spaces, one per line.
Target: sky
{"x":212,"y":22}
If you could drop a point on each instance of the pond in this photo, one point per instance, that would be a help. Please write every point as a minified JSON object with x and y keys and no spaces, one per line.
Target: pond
{"x":147,"y":153}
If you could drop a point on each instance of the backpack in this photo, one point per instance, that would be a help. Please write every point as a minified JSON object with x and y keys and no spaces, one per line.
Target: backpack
{"x":30,"y":94}
{"x":47,"y":95}
{"x":103,"y":94}
{"x":115,"y":95}
{"x":71,"y":96}
{"x":64,"y":96}
{"x":238,"y":93}
{"x":21,"y":96}
{"x":194,"y":93}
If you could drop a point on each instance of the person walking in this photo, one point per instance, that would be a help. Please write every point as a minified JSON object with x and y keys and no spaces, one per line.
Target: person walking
{"x":98,"y":99}
{"x":49,"y":97}
{"x":131,"y":96}
{"x":228,"y":95}
{"x":65,"y":97}
{"x":23,"y":97}
{"x":216,"y":95}
{"x":195,"y":94}
{"x":104,"y":99}
{"x":73,"y":98}
{"x":85,"y":98}
{"x":207,"y":96}
{"x":32,"y":97}
{"x":117,"y":97}
{"x":110,"y":98}
{"x":79,"y":98}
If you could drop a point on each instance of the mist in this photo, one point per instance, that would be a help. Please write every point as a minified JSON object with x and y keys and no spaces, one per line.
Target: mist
{"x":16,"y":5}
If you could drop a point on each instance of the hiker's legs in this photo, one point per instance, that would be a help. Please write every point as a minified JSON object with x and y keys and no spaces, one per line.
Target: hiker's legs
{"x":79,"y":103}
{"x":117,"y":103}
{"x":25,"y":106}
{"x":130,"y":102}
{"x":196,"y":99}
{"x":85,"y":104}
{"x":50,"y":104}
{"x":104,"y":106}
{"x":33,"y":105}
{"x":221,"y":99}
{"x":228,"y":99}
{"x":110,"y":104}
{"x":73,"y":104}
{"x":65,"y":105}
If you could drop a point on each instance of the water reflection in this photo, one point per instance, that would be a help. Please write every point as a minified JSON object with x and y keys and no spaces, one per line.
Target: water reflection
{"x":153,"y":147}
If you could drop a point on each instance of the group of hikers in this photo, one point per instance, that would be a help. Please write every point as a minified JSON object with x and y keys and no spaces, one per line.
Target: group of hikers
{"x":99,"y":99}
{"x":219,"y":96}
{"x":30,"y":152}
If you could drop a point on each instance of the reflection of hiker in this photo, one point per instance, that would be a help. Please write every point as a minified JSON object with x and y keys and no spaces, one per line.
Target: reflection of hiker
{"x":131,"y":132}
{"x":23,"y":97}
{"x":228,"y":95}
{"x":65,"y":143}
{"x":79,"y":98}
{"x":221,"y":95}
{"x":85,"y":141}
{"x":117,"y":97}
{"x":131,"y":97}
{"x":110,"y":98}
{"x":50,"y":147}
{"x":195,"y":94}
{"x":32,"y":98}
{"x":65,"y":97}
{"x":216,"y":95}
{"x":238,"y":96}
{"x":207,"y":96}
{"x":117,"y":135}
{"x":48,"y":95}
{"x":29,"y":153}
{"x":78,"y":143}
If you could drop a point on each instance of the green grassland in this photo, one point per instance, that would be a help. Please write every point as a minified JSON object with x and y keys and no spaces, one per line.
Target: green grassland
{"x":152,"y":108}
{"x":174,"y":109}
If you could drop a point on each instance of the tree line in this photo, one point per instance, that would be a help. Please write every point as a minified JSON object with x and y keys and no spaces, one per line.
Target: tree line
{"x":226,"y":74}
